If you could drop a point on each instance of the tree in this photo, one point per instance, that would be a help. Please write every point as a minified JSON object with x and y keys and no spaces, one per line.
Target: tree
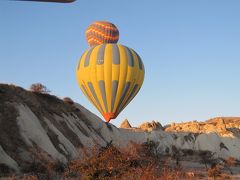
{"x":39,"y":88}
{"x":68,"y":100}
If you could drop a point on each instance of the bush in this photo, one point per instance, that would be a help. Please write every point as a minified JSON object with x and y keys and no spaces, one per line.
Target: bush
{"x":56,"y":166}
{"x":214,"y":171}
{"x":207,"y":157}
{"x":4,"y":169}
{"x":112,"y":163}
{"x":35,"y":167}
{"x":230,"y":162}
{"x":39,"y":88}
{"x":68,"y":100}
{"x":149,"y":148}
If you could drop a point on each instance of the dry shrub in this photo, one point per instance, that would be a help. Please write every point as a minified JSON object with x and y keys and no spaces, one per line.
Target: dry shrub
{"x":29,"y":177}
{"x":55,"y":167}
{"x":207,"y":158}
{"x":43,"y":170}
{"x":230,"y":162}
{"x":150,"y":171}
{"x":24,"y":177}
{"x":42,"y":166}
{"x":38,"y":162}
{"x":39,"y":88}
{"x":99,"y":165}
{"x":134,"y":149}
{"x":187,"y":152}
{"x":173,"y":174}
{"x":215,"y":171}
{"x":138,"y":162}
{"x":190,"y":174}
{"x":68,"y":100}
{"x":4,"y":169}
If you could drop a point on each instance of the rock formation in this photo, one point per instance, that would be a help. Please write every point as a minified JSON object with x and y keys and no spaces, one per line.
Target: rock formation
{"x":224,"y":126}
{"x":147,"y":126}
{"x":125,"y":124}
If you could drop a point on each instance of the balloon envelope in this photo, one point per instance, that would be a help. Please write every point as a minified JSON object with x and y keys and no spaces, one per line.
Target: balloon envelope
{"x":110,"y":75}
{"x":101,"y":32}
{"x":60,"y":1}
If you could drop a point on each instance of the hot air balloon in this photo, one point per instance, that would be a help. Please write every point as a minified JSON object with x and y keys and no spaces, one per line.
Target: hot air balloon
{"x":110,"y":75}
{"x":101,"y":32}
{"x":60,"y":1}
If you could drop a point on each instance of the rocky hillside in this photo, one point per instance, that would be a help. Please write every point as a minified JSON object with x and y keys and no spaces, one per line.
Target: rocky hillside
{"x":40,"y":127}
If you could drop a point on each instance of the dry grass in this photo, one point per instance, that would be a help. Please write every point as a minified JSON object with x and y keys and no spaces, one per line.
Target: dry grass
{"x":140,"y":162}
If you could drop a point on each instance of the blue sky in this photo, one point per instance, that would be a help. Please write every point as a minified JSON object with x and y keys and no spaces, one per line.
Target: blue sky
{"x":191,"y":52}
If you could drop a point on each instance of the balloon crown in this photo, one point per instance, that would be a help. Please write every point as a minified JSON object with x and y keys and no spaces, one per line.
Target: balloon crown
{"x":101,"y":32}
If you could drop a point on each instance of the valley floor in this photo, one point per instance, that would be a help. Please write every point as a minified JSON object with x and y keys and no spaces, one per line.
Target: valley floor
{"x":139,"y":163}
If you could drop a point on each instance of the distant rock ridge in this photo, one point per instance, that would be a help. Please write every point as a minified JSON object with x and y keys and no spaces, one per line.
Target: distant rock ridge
{"x":224,"y":126}
{"x":146,"y":126}
{"x":150,"y":126}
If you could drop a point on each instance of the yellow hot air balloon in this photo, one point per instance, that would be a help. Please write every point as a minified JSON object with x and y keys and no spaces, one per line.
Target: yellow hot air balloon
{"x":110,"y":75}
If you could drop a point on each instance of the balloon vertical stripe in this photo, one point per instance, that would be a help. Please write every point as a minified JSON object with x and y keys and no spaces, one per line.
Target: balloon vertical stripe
{"x":100,"y":56}
{"x":94,"y":95}
{"x":132,"y":94}
{"x":114,"y":93}
{"x":129,"y":57}
{"x":87,"y":58}
{"x":108,"y":62}
{"x":103,"y":92}
{"x":123,"y":96}
{"x":115,"y":54}
{"x":139,"y":61}
{"x":89,"y":96}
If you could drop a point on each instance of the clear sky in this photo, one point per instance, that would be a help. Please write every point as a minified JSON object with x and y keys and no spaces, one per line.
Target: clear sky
{"x":191,"y":52}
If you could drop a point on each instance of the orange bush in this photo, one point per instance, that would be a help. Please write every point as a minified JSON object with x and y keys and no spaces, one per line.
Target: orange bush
{"x":112,"y":163}
{"x":68,"y":100}
{"x":39,"y":88}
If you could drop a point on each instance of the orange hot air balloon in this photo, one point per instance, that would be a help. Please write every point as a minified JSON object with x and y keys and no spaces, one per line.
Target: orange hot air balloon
{"x":59,"y":1}
{"x":101,"y":32}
